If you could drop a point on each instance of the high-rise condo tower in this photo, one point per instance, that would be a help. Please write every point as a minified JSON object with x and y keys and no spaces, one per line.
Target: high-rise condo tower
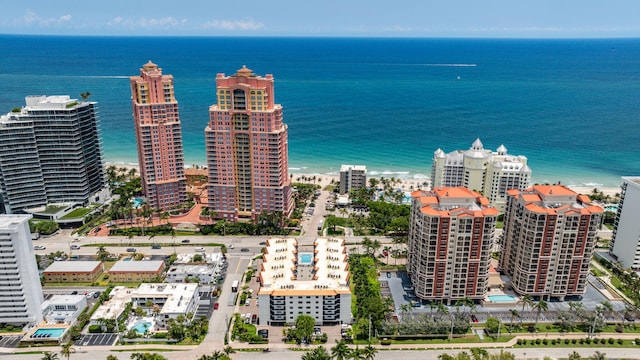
{"x":159,"y":138}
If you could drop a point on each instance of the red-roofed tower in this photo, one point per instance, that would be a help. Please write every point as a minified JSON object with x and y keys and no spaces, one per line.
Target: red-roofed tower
{"x":449,"y":246}
{"x":548,"y":241}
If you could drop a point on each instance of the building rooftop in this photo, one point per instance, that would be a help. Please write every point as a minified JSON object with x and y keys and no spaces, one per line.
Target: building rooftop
{"x":452,"y":201}
{"x":344,"y":168}
{"x":192,"y":269}
{"x":177,"y":296}
{"x":137,"y":266}
{"x":73,"y":266}
{"x":325,"y":263}
{"x":554,"y":199}
{"x":11,"y":221}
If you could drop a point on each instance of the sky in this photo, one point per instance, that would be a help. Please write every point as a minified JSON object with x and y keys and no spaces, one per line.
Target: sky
{"x":328,"y":18}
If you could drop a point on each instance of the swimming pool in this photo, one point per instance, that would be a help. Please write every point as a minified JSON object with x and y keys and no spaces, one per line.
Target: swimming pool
{"x":502,"y":298}
{"x":141,"y":326}
{"x":48,"y":333}
{"x":137,"y":202}
{"x":306,"y":258}
{"x":612,"y":208}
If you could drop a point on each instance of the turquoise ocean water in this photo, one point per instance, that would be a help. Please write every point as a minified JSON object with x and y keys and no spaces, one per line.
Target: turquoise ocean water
{"x":571,"y":106}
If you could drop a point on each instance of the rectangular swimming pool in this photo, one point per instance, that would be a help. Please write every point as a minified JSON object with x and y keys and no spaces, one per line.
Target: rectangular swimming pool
{"x":48,"y":333}
{"x":305,"y":258}
{"x":502,"y":298}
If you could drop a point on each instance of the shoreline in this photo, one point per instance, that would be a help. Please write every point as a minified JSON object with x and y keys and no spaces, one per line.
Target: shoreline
{"x":405,"y":184}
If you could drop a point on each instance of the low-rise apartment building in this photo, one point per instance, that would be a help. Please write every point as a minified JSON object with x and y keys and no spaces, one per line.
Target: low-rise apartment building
{"x":305,"y":280}
{"x":73,"y":271}
{"x":136,"y":271}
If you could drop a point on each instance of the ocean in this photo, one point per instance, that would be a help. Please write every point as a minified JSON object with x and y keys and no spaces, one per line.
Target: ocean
{"x":572,"y":107}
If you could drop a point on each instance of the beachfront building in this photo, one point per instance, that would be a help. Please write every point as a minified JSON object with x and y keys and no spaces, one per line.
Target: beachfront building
{"x":488,"y":172}
{"x":63,"y":309}
{"x":20,"y":290}
{"x":305,"y":280}
{"x":159,"y":138}
{"x":548,"y":241}
{"x":450,"y":237}
{"x":73,"y":271}
{"x":352,"y":177}
{"x":247,"y":149}
{"x":50,"y":153}
{"x":625,"y":242}
{"x":136,"y":271}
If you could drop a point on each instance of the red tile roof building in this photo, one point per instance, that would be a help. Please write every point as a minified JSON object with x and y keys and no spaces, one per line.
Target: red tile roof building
{"x":548,"y":241}
{"x":159,"y":138}
{"x":247,"y":149}
{"x":450,"y":238}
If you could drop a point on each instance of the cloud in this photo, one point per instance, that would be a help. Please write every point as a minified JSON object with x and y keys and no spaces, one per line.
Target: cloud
{"x":233,"y":25}
{"x":31,"y":18}
{"x":165,"y":23}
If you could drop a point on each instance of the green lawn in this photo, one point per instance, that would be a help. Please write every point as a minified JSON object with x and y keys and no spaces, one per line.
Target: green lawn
{"x":76,"y":214}
{"x":52,"y":209}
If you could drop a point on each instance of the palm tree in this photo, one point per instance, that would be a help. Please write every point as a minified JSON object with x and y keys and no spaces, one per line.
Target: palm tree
{"x":527,"y":300}
{"x":228,"y":350}
{"x":340,"y":351}
{"x":112,"y":357}
{"x":357,"y":354}
{"x":598,"y":356}
{"x":540,"y":306}
{"x":514,"y":314}
{"x":48,"y":355}
{"x":85,"y":95}
{"x":574,"y":356}
{"x":216,"y":355}
{"x":479,"y":353}
{"x":67,"y":350}
{"x":370,"y":352}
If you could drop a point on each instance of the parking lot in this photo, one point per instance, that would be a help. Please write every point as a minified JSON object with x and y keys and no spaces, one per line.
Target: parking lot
{"x":96,"y":340}
{"x":10,"y":341}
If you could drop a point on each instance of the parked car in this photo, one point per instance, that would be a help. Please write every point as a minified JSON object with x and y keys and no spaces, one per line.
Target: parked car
{"x":186,"y":241}
{"x":215,"y":306}
{"x":39,"y":247}
{"x":254,"y":318}
{"x":264,"y":333}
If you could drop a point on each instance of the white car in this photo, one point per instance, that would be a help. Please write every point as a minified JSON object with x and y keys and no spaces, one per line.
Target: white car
{"x":200,"y":249}
{"x":39,"y":247}
{"x":230,"y":246}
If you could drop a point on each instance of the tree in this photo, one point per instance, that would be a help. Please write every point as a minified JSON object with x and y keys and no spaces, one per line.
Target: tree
{"x":357,"y":354}
{"x":85,"y":95}
{"x":514,"y":314}
{"x":479,"y":353}
{"x":370,"y":352}
{"x":147,"y":356}
{"x":340,"y":351}
{"x":48,"y":355}
{"x":540,"y":306}
{"x":527,"y":300}
{"x":304,"y":327}
{"x":102,"y":253}
{"x":319,"y":353}
{"x":598,"y":356}
{"x":574,"y":356}
{"x":67,"y":350}
{"x":112,"y":357}
{"x":492,"y":325}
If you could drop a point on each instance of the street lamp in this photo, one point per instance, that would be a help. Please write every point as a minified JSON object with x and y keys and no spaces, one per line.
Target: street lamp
{"x":451,"y":333}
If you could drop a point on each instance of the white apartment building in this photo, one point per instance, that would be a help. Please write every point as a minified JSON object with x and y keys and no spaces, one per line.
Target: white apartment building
{"x":490,"y":173}
{"x":305,"y":280}
{"x":50,"y":152}
{"x":172,"y":300}
{"x":625,"y":242}
{"x":20,"y":290}
{"x":63,"y":309}
{"x":352,"y":177}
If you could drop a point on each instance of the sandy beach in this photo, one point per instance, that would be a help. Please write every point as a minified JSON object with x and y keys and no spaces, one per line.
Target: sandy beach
{"x":407,"y":185}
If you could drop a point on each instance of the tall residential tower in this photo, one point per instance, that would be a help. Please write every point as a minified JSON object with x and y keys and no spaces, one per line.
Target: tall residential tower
{"x":20,"y":290}
{"x":450,"y":237}
{"x":490,"y":173}
{"x":50,"y":154}
{"x":625,"y":243}
{"x":548,"y":241}
{"x":247,"y":149}
{"x":159,"y":138}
